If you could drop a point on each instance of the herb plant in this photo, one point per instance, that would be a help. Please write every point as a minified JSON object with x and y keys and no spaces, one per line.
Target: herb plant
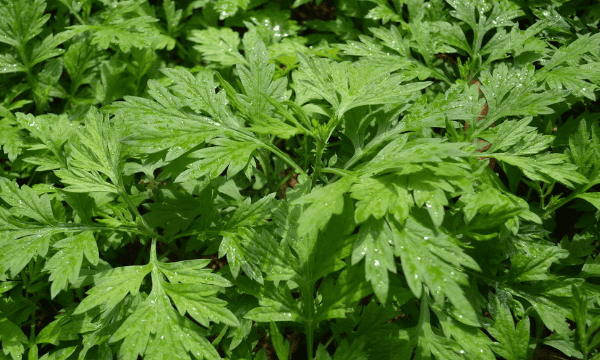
{"x":251,"y":179}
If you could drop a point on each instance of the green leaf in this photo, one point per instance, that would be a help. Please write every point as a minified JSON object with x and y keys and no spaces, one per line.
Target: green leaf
{"x":12,"y":339}
{"x":9,"y":64}
{"x":225,"y":154}
{"x":237,"y":246}
{"x":346,"y":85}
{"x":475,"y":342}
{"x":112,"y":286}
{"x":256,"y":81}
{"x":21,"y":21}
{"x":432,"y":258}
{"x":97,"y":152}
{"x":276,"y":304}
{"x":64,"y":266}
{"x":281,"y":348}
{"x":482,"y":17}
{"x":26,"y":202}
{"x":573,"y":52}
{"x":193,"y":287}
{"x":533,"y":263}
{"x":514,"y":92}
{"x":373,"y":244}
{"x":515,"y":137}
{"x":156,"y":331}
{"x":47,"y":48}
{"x":513,"y":342}
{"x":218,"y":46}
{"x":324,"y":202}
{"x":546,"y":167}
{"x":166,"y":123}
{"x":380,"y":196}
{"x":591,"y":197}
{"x":119,"y":27}
{"x":585,"y":151}
{"x":337,"y":297}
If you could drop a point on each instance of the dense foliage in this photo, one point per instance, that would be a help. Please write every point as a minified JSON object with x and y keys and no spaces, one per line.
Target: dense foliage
{"x":252,"y":179}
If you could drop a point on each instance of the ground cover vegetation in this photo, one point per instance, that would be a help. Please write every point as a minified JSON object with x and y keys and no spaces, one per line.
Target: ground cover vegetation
{"x":251,"y":179}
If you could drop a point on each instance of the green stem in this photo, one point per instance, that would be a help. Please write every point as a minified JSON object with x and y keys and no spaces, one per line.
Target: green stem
{"x":564,"y":201}
{"x":146,"y":230}
{"x":283,"y":156}
{"x":318,"y":165}
{"x":310,"y":317}
{"x":337,"y":172}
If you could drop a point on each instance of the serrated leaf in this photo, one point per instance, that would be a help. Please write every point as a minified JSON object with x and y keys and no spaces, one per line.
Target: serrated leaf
{"x":12,"y":339}
{"x":21,"y":21}
{"x":533,"y":263}
{"x":373,"y":244}
{"x":21,"y":242}
{"x":475,"y":342}
{"x":97,"y":154}
{"x":514,"y":92}
{"x":324,"y":202}
{"x":515,"y":137}
{"x":218,"y":45}
{"x":276,"y":304}
{"x":256,"y":81}
{"x":192,"y":288}
{"x":156,"y":331}
{"x":513,"y":342}
{"x":64,"y":266}
{"x":585,"y":151}
{"x":225,"y":154}
{"x":346,"y":85}
{"x":431,"y":258}
{"x":9,"y":64}
{"x":26,"y":202}
{"x":120,"y":28}
{"x":48,"y":47}
{"x":112,"y":286}
{"x":378,"y":197}
{"x":573,"y":51}
{"x":235,"y":245}
{"x":546,"y":167}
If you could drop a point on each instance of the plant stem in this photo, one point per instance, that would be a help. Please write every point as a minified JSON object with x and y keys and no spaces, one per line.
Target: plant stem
{"x":283,"y":156}
{"x":564,"y":201}
{"x":318,"y":165}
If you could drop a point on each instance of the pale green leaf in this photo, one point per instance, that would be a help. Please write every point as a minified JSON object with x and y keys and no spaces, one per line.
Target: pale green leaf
{"x":373,"y":244}
{"x":64,"y":266}
{"x":546,"y":167}
{"x":156,"y":331}
{"x":276,"y":304}
{"x":119,"y":27}
{"x":324,"y":202}
{"x":512,"y":342}
{"x":514,"y":92}
{"x":380,"y":196}
{"x":346,"y":85}
{"x":591,"y":197}
{"x":533,"y":263}
{"x":224,"y":154}
{"x":12,"y":339}
{"x":218,"y":46}
{"x":430,"y":257}
{"x":9,"y":64}
{"x":112,"y":286}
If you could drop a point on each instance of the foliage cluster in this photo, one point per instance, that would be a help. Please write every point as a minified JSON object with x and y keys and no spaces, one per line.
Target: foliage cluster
{"x":252,"y":179}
